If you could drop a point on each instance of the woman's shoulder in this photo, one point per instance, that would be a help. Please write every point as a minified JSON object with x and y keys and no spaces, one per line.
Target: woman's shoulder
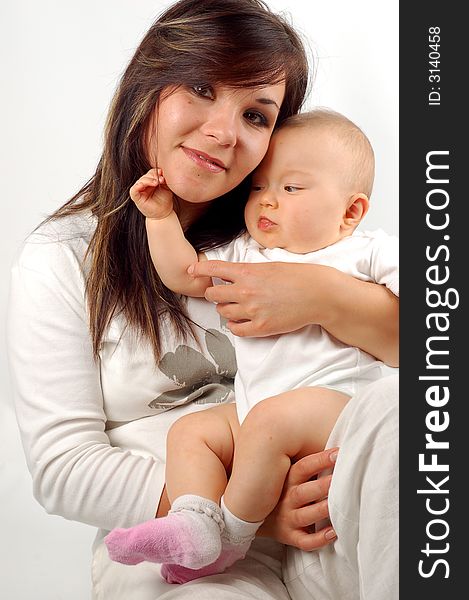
{"x":57,"y":241}
{"x":64,"y":230}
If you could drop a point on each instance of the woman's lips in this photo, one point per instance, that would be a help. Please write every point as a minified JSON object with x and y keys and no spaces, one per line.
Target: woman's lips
{"x":265,"y":224}
{"x":205,"y":161}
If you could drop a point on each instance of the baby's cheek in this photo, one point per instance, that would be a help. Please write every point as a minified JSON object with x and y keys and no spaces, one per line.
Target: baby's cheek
{"x":305,"y":225}
{"x":249,"y":212}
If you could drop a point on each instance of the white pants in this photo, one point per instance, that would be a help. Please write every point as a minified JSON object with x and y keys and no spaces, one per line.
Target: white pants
{"x":362,"y":564}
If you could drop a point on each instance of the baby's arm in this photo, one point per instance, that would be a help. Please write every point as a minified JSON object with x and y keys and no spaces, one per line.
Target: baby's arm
{"x":171,"y":253}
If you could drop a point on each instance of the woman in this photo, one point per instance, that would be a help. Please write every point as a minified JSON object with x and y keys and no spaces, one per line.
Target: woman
{"x":97,"y":361}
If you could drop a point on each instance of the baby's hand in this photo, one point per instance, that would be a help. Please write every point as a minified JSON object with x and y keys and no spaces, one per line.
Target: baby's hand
{"x":152,"y":196}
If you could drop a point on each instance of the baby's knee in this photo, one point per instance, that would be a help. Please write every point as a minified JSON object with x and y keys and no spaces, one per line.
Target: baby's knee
{"x":186,"y":427}
{"x":265,"y":416}
{"x":212,"y":427}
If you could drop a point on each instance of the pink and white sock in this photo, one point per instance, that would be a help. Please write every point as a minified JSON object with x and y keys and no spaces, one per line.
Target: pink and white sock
{"x":188,"y":536}
{"x":236,"y":539}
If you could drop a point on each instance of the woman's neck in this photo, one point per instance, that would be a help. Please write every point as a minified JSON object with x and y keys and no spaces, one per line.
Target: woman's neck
{"x":189,"y":212}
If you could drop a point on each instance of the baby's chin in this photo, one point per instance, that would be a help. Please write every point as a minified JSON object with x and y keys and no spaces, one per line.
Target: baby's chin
{"x":272,"y":239}
{"x":269,"y":243}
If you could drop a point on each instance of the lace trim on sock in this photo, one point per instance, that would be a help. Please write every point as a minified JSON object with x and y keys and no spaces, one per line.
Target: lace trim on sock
{"x":205,"y":511}
{"x":236,"y":540}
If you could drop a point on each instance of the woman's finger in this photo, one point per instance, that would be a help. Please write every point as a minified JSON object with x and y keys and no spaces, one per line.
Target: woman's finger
{"x":216,"y":268}
{"x":223,"y":294}
{"x":239,"y":319}
{"x":311,"y":514}
{"x":311,"y":491}
{"x":243,"y":329}
{"x":311,"y":465}
{"x":232,"y":311}
{"x":311,"y":541}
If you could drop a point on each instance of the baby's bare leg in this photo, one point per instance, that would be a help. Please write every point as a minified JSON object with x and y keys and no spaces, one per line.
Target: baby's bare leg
{"x":200,"y":452}
{"x":200,"y":449}
{"x":275,"y":432}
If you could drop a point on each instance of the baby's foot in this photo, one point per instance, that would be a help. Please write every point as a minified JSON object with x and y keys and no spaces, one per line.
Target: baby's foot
{"x":229,"y":555}
{"x":187,"y":536}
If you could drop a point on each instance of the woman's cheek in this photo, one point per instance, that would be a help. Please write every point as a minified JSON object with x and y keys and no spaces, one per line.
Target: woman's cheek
{"x":257,"y":150}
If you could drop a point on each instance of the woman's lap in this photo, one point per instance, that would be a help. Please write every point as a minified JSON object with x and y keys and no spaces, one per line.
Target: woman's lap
{"x":363,"y":502}
{"x":258,"y":577}
{"x":364,"y":511}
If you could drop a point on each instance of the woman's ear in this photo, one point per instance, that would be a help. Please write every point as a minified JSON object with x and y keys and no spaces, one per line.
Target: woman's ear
{"x":356,"y":209}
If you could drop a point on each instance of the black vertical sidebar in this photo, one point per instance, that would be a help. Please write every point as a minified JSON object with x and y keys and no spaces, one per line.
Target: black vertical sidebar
{"x":434,"y":234}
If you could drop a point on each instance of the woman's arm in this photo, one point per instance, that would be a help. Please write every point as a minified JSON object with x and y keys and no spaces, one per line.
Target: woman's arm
{"x":272,"y":298}
{"x":76,"y":473}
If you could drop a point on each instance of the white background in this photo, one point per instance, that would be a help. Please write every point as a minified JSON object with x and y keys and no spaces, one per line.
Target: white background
{"x":63,"y":59}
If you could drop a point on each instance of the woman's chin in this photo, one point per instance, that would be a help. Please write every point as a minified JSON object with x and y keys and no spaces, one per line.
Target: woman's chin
{"x":198,"y":187}
{"x":196,"y":193}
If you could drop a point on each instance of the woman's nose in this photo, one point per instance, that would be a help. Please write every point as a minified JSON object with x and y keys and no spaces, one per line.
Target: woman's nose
{"x":221,"y":124}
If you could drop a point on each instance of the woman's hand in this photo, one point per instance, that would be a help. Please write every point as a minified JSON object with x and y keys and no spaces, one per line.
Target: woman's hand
{"x":273,"y":298}
{"x":263,"y":298}
{"x":151,"y":195}
{"x":303,"y":504}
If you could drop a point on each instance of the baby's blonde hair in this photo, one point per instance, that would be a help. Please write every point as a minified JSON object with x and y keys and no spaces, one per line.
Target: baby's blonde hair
{"x":360,"y":176}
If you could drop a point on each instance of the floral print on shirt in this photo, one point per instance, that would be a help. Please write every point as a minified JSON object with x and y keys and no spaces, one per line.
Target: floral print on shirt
{"x":198,"y":379}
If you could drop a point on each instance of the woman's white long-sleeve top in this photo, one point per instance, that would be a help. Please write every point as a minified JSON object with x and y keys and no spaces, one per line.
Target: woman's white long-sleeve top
{"x":94,"y":432}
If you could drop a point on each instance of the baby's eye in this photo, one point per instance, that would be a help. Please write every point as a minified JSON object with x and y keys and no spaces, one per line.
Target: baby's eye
{"x":206,"y":91}
{"x":291,"y":188}
{"x":256,"y":118}
{"x":256,"y":187}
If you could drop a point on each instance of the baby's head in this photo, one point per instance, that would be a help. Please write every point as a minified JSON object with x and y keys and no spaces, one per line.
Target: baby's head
{"x":313,"y":186}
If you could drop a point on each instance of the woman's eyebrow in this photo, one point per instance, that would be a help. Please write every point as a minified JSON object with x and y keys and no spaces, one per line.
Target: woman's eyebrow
{"x":267,"y":101}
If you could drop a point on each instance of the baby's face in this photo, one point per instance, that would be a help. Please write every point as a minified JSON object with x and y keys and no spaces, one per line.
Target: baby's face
{"x":298,"y":197}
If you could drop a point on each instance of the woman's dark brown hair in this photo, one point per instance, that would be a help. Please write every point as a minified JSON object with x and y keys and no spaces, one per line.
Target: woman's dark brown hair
{"x":232,"y":42}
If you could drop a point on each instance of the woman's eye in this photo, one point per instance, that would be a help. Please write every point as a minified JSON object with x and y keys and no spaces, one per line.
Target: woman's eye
{"x":206,"y":91}
{"x":256,"y":118}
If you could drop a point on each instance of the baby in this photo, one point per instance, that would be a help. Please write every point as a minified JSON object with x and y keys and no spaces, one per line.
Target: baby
{"x":226,"y":466}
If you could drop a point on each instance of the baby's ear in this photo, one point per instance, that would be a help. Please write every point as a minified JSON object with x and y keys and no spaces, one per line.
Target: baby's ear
{"x":356,"y":209}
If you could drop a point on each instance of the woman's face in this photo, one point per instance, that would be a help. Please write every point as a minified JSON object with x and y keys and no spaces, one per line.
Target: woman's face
{"x":208,"y":139}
